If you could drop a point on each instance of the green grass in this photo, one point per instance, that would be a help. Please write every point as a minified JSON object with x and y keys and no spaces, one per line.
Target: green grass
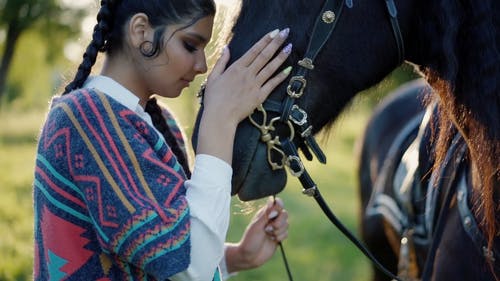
{"x":17,"y":150}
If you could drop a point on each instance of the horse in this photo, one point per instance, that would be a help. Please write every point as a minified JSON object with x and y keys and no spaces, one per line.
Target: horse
{"x":454,"y":45}
{"x":406,"y":207}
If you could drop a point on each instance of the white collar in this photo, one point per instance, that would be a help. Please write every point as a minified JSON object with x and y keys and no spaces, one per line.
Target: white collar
{"x":113,"y":89}
{"x":119,"y":93}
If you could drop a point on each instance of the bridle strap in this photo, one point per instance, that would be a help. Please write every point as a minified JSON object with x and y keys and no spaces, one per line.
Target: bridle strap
{"x":323,"y":28}
{"x":396,"y":30}
{"x":445,"y":180}
{"x":310,"y":188}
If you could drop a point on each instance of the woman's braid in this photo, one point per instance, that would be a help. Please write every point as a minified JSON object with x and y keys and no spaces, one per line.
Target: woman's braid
{"x":161,"y":125}
{"x":98,"y":44}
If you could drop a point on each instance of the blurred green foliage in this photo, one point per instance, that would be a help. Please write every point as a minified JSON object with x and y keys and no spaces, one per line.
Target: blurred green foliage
{"x":33,"y":34}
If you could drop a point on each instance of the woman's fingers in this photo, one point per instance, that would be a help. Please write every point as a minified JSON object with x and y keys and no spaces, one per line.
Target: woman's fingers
{"x":221,"y":63}
{"x":247,"y":82}
{"x":281,"y":223}
{"x":277,"y":228}
{"x":272,"y":66}
{"x":257,"y":48}
{"x":267,"y":88}
{"x":277,"y":233}
{"x":268,"y":52}
{"x":281,"y":237}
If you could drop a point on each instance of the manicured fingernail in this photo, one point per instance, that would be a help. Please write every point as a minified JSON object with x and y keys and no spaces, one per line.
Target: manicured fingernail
{"x":288,"y":48}
{"x":224,"y":49}
{"x":274,"y":33}
{"x":287,"y":70}
{"x":269,"y":229}
{"x":284,"y":33}
{"x":273,"y":214}
{"x":279,"y":202}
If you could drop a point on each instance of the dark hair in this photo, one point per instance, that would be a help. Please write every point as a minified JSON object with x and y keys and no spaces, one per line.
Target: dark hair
{"x":158,"y":118}
{"x":108,"y":36}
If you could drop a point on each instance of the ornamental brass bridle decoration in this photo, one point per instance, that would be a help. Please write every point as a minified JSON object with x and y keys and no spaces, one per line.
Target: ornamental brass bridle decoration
{"x":273,"y":143}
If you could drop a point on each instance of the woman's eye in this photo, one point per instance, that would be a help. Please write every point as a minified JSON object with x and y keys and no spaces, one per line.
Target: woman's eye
{"x":190,"y":48}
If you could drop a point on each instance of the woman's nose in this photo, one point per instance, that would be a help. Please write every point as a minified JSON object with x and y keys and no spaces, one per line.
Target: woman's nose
{"x":201,"y":65}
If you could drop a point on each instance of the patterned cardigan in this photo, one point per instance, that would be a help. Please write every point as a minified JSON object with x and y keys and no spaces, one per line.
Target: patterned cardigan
{"x":109,"y":198}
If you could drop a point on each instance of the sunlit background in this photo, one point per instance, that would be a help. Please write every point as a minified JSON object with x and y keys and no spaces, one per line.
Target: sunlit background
{"x":45,"y":58}
{"x":73,"y":50}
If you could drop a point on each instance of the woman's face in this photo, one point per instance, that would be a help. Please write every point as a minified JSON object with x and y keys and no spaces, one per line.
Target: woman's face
{"x":181,"y":59}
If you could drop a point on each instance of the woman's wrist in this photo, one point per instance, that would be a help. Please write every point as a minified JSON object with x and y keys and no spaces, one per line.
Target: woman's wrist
{"x":235,"y":259}
{"x":223,"y":265}
{"x":216,"y":137}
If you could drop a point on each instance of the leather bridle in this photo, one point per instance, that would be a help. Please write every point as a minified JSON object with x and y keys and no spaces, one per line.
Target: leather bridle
{"x":281,"y":150}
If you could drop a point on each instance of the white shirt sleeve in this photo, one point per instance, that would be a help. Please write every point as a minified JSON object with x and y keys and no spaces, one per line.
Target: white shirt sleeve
{"x":209,"y":198}
{"x":223,"y":267}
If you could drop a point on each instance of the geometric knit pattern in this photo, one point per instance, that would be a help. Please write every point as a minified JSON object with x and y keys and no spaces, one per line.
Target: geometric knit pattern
{"x":109,"y":195}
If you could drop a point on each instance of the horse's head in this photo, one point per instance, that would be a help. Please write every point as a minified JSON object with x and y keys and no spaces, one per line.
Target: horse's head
{"x":360,"y":51}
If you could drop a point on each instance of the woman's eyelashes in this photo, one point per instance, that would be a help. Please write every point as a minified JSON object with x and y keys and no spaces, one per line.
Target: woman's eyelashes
{"x":190,"y":47}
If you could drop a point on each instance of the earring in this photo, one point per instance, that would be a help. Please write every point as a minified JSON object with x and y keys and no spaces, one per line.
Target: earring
{"x":146,"y":48}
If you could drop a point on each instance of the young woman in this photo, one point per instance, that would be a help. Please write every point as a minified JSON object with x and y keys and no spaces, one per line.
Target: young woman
{"x":113,"y":192}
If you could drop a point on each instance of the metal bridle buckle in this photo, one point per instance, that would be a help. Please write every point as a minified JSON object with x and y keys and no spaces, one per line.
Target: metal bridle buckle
{"x":306,"y":63}
{"x":303,"y":117}
{"x":311,"y":192}
{"x":272,"y":143}
{"x":296,"y":159}
{"x":293,"y":93}
{"x":303,"y":120}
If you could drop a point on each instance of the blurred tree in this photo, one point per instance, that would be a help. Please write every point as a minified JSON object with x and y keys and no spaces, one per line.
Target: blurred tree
{"x":51,"y":18}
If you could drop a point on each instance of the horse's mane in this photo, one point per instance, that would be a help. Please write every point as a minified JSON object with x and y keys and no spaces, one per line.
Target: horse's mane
{"x":462,"y":41}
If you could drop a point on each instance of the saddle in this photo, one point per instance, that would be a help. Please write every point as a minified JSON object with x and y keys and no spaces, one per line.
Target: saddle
{"x":408,"y":195}
{"x":399,"y":193}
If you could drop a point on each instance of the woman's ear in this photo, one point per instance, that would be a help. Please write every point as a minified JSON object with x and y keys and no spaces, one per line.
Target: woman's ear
{"x":139,"y":30}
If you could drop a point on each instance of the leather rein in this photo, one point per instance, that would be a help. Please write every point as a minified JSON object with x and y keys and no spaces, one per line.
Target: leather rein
{"x":281,"y":150}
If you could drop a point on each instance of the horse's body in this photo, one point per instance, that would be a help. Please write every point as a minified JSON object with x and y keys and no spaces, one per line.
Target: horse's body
{"x":456,"y":44}
{"x":403,"y":198}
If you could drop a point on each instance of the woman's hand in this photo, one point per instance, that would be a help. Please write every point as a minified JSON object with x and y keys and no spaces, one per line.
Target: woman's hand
{"x":268,"y":227}
{"x":232,"y":94}
{"x":236,"y":91}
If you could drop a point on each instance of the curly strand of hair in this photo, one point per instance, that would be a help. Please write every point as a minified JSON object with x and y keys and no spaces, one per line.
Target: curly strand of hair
{"x":98,"y":44}
{"x":160,"y":124}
